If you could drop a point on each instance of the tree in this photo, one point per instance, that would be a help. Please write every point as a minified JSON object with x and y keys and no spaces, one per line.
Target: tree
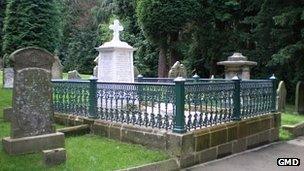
{"x":31,"y":23}
{"x":2,"y":14}
{"x":163,"y":23}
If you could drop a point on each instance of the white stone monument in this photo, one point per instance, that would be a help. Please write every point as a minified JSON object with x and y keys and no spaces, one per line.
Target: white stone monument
{"x":115,"y":59}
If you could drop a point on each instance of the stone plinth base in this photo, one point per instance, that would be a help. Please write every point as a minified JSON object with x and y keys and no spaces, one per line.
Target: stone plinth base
{"x":54,"y":157}
{"x":33,"y":144}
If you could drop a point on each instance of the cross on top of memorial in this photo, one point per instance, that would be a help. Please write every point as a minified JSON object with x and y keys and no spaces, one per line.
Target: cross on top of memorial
{"x":116,"y":27}
{"x":116,"y":42}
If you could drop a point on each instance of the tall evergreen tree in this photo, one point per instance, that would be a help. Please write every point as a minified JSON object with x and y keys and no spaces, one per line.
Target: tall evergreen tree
{"x":31,"y":23}
{"x":163,"y":23}
{"x":2,"y":14}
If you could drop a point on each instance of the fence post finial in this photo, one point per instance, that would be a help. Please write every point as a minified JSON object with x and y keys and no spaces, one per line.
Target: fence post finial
{"x":274,"y":93}
{"x":196,"y":77}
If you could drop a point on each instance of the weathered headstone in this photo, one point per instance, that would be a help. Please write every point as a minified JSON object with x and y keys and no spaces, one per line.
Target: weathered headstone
{"x":1,"y":63}
{"x":115,"y":62}
{"x":32,"y":123}
{"x":136,"y":72}
{"x":57,"y":69}
{"x":8,"y":77}
{"x":281,"y":100}
{"x":177,"y":70}
{"x":95,"y":70}
{"x":300,"y":98}
{"x":74,"y":75}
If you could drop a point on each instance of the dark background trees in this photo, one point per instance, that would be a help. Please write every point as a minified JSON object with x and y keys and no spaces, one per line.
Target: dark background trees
{"x":198,"y":32}
{"x":31,"y":23}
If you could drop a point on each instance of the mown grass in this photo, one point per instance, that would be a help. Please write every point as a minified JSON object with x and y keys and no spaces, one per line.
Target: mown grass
{"x":87,"y":152}
{"x":289,"y":117}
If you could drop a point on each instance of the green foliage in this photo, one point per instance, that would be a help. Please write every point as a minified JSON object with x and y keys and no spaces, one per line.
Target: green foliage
{"x":31,"y":23}
{"x":2,"y":14}
{"x":159,"y":19}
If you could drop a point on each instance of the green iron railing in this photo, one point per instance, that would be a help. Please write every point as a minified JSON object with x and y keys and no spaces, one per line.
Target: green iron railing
{"x":179,"y":105}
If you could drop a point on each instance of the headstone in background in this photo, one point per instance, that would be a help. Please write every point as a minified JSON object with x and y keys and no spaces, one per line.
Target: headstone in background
{"x":8,"y":78}
{"x":177,"y":70}
{"x":74,"y":75}
{"x":300,"y":98}
{"x":32,"y":122}
{"x":57,"y":69}
{"x":1,"y":63}
{"x":136,"y":72}
{"x":115,"y":60}
{"x":95,"y":71}
{"x":183,"y":71}
{"x":281,"y":92}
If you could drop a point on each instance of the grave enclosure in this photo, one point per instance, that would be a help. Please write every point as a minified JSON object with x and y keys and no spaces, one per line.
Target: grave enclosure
{"x":195,"y":120}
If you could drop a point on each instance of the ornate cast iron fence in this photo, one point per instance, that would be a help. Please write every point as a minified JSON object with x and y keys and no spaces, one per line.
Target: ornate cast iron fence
{"x":179,"y":105}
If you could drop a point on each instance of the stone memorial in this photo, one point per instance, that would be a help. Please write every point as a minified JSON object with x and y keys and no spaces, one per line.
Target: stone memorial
{"x":136,"y":72}
{"x":95,"y":70}
{"x":300,"y":98}
{"x":8,"y":78}
{"x":74,"y":75}
{"x":1,"y":63}
{"x":115,"y":59}
{"x":237,"y":65}
{"x":177,"y":70}
{"x":57,"y":69}
{"x":281,"y":99}
{"x":32,"y":122}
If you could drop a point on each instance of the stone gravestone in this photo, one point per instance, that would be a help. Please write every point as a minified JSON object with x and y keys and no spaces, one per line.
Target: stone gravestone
{"x":1,"y":63}
{"x":136,"y":72}
{"x":32,"y":122}
{"x":281,"y":100}
{"x":95,"y":70}
{"x":57,"y":69}
{"x":74,"y":75}
{"x":115,"y":60}
{"x":8,"y":77}
{"x":177,"y":70}
{"x":300,"y":98}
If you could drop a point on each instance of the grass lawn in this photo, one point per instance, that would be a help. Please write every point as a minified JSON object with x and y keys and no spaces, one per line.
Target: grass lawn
{"x":86,"y":152}
{"x":289,"y":118}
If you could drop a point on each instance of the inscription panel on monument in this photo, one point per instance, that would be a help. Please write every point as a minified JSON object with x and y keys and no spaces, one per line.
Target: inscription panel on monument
{"x":32,"y":103}
{"x":124,"y":67}
{"x":105,"y":72}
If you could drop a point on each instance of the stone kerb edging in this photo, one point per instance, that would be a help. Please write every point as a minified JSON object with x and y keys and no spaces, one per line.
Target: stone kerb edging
{"x":75,"y":130}
{"x":193,"y":147}
{"x":166,"y":165}
{"x":296,"y":130}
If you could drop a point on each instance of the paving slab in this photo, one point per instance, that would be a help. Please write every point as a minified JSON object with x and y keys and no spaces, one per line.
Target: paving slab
{"x":260,"y":159}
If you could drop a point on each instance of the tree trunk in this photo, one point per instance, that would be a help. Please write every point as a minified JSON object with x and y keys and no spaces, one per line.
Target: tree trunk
{"x":174,"y":55}
{"x":162,"y":64}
